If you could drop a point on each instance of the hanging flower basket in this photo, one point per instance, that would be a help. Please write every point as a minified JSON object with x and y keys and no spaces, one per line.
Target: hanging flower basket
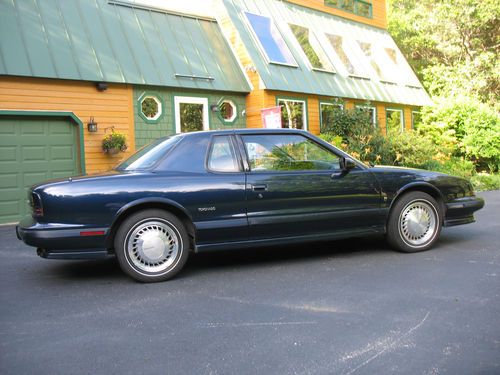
{"x":114,"y":143}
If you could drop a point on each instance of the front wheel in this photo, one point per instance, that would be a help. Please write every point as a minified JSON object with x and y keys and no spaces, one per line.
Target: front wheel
{"x":152,"y":245}
{"x":414,"y":223}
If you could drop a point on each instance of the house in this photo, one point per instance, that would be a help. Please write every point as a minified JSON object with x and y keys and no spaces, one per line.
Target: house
{"x":140,"y":71}
{"x":74,"y":71}
{"x":310,"y":56}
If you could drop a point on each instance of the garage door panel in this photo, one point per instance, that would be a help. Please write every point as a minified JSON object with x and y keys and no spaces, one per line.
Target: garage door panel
{"x":10,"y":209}
{"x":8,"y":130}
{"x":8,"y":154}
{"x":8,"y":181}
{"x":33,"y":150}
{"x":62,"y":153}
{"x":56,"y":129}
{"x":31,"y":178}
{"x":39,"y":128}
{"x":34,"y":153}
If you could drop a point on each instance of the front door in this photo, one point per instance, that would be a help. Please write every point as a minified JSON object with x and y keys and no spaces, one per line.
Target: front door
{"x":191,"y":114}
{"x":295,"y":187}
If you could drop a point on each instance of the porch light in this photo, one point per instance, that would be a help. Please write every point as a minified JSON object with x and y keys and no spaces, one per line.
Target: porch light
{"x":92,"y":125}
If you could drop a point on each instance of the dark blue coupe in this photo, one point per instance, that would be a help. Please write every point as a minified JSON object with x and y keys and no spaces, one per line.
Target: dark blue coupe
{"x":237,"y":189}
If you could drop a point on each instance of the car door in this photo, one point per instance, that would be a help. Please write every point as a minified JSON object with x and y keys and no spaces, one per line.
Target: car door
{"x":216,"y":197}
{"x":296,"y":187}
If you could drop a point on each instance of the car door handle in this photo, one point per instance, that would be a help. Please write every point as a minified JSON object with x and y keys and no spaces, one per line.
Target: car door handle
{"x":259,"y":187}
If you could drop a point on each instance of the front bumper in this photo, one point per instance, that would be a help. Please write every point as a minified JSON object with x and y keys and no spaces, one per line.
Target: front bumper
{"x":62,"y":241}
{"x":461,"y":211}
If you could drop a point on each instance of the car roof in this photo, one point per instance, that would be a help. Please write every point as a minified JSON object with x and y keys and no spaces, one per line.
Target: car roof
{"x":245,"y":131}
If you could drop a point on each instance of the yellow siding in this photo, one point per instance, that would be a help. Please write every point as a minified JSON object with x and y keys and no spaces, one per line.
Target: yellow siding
{"x":313,"y":121}
{"x":381,"y":117}
{"x":407,"y":116}
{"x":378,"y":9}
{"x":110,"y":108}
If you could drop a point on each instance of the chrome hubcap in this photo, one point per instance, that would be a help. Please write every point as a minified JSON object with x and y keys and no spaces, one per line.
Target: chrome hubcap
{"x":418,"y":223}
{"x":153,"y":245}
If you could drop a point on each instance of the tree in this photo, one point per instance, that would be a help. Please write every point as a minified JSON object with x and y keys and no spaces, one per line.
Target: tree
{"x":453,"y":45}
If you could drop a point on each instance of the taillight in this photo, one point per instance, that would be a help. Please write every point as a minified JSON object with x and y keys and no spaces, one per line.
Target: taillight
{"x":36,"y":205}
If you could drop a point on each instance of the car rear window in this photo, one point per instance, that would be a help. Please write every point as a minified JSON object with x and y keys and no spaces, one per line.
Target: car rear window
{"x":222,"y":156}
{"x":149,"y":155}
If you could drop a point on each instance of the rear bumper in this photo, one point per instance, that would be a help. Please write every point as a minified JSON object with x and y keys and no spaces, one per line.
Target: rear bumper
{"x":61,"y":241}
{"x":461,"y":211}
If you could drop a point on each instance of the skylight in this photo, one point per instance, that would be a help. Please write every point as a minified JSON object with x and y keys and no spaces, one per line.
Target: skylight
{"x":271,"y":42}
{"x":337,"y":43}
{"x":312,"y":48}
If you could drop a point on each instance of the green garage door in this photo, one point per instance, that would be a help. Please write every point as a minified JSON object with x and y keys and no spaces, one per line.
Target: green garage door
{"x":33,"y":149}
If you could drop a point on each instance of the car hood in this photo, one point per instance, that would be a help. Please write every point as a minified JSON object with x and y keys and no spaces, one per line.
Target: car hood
{"x":405,"y":170}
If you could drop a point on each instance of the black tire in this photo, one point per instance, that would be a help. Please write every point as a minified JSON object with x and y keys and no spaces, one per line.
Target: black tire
{"x":152,"y":245}
{"x":414,"y":223}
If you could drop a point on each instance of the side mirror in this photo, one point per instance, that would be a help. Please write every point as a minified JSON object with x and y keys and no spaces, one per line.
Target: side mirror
{"x":348,"y":164}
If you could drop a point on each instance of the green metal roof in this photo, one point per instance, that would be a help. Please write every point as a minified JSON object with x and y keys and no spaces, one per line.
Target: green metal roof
{"x":304,"y":79}
{"x":113,"y":41}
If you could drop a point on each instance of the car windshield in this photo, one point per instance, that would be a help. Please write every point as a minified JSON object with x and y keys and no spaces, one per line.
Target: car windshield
{"x":149,"y":155}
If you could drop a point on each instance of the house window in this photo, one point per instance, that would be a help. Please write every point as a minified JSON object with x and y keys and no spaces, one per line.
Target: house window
{"x":363,"y":9}
{"x":416,"y":119}
{"x":227,"y":111}
{"x":328,"y":111}
{"x":366,"y":48}
{"x":371,"y":111}
{"x":312,"y":48}
{"x":150,"y":107}
{"x":391,"y":52}
{"x":293,"y":113}
{"x":191,"y":114}
{"x":347,"y":5}
{"x":359,"y":7}
{"x":271,"y":42}
{"x":394,"y":120}
{"x":337,"y":44}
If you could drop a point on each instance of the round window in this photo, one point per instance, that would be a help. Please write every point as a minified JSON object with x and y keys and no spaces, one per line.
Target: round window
{"x":227,"y":110}
{"x":151,"y":107}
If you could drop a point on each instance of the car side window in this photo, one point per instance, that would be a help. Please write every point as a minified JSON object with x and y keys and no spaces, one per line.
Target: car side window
{"x":287,"y":153}
{"x":222,"y":155}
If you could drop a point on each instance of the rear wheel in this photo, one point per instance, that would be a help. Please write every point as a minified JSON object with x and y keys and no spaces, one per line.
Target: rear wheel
{"x":152,"y":245}
{"x":414,"y":223}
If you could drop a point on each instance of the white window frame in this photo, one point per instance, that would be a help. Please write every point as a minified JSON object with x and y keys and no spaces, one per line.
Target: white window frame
{"x":350,"y":51}
{"x":317,"y":47}
{"x":304,"y":114}
{"x":374,"y":117}
{"x":190,"y":100}
{"x":233,"y":106}
{"x":402,"y":117}
{"x":321,"y":103}
{"x":413,"y":117}
{"x":158,"y":103}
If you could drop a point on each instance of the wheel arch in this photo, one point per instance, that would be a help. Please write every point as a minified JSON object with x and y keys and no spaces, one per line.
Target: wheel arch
{"x":151,"y":203}
{"x":423,"y":187}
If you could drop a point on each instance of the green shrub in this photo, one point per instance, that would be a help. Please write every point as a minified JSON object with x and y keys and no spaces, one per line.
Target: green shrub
{"x":352,"y":130}
{"x":485,"y":181}
{"x":415,"y":150}
{"x":466,"y":126}
{"x":335,"y":140}
{"x":459,"y":167}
